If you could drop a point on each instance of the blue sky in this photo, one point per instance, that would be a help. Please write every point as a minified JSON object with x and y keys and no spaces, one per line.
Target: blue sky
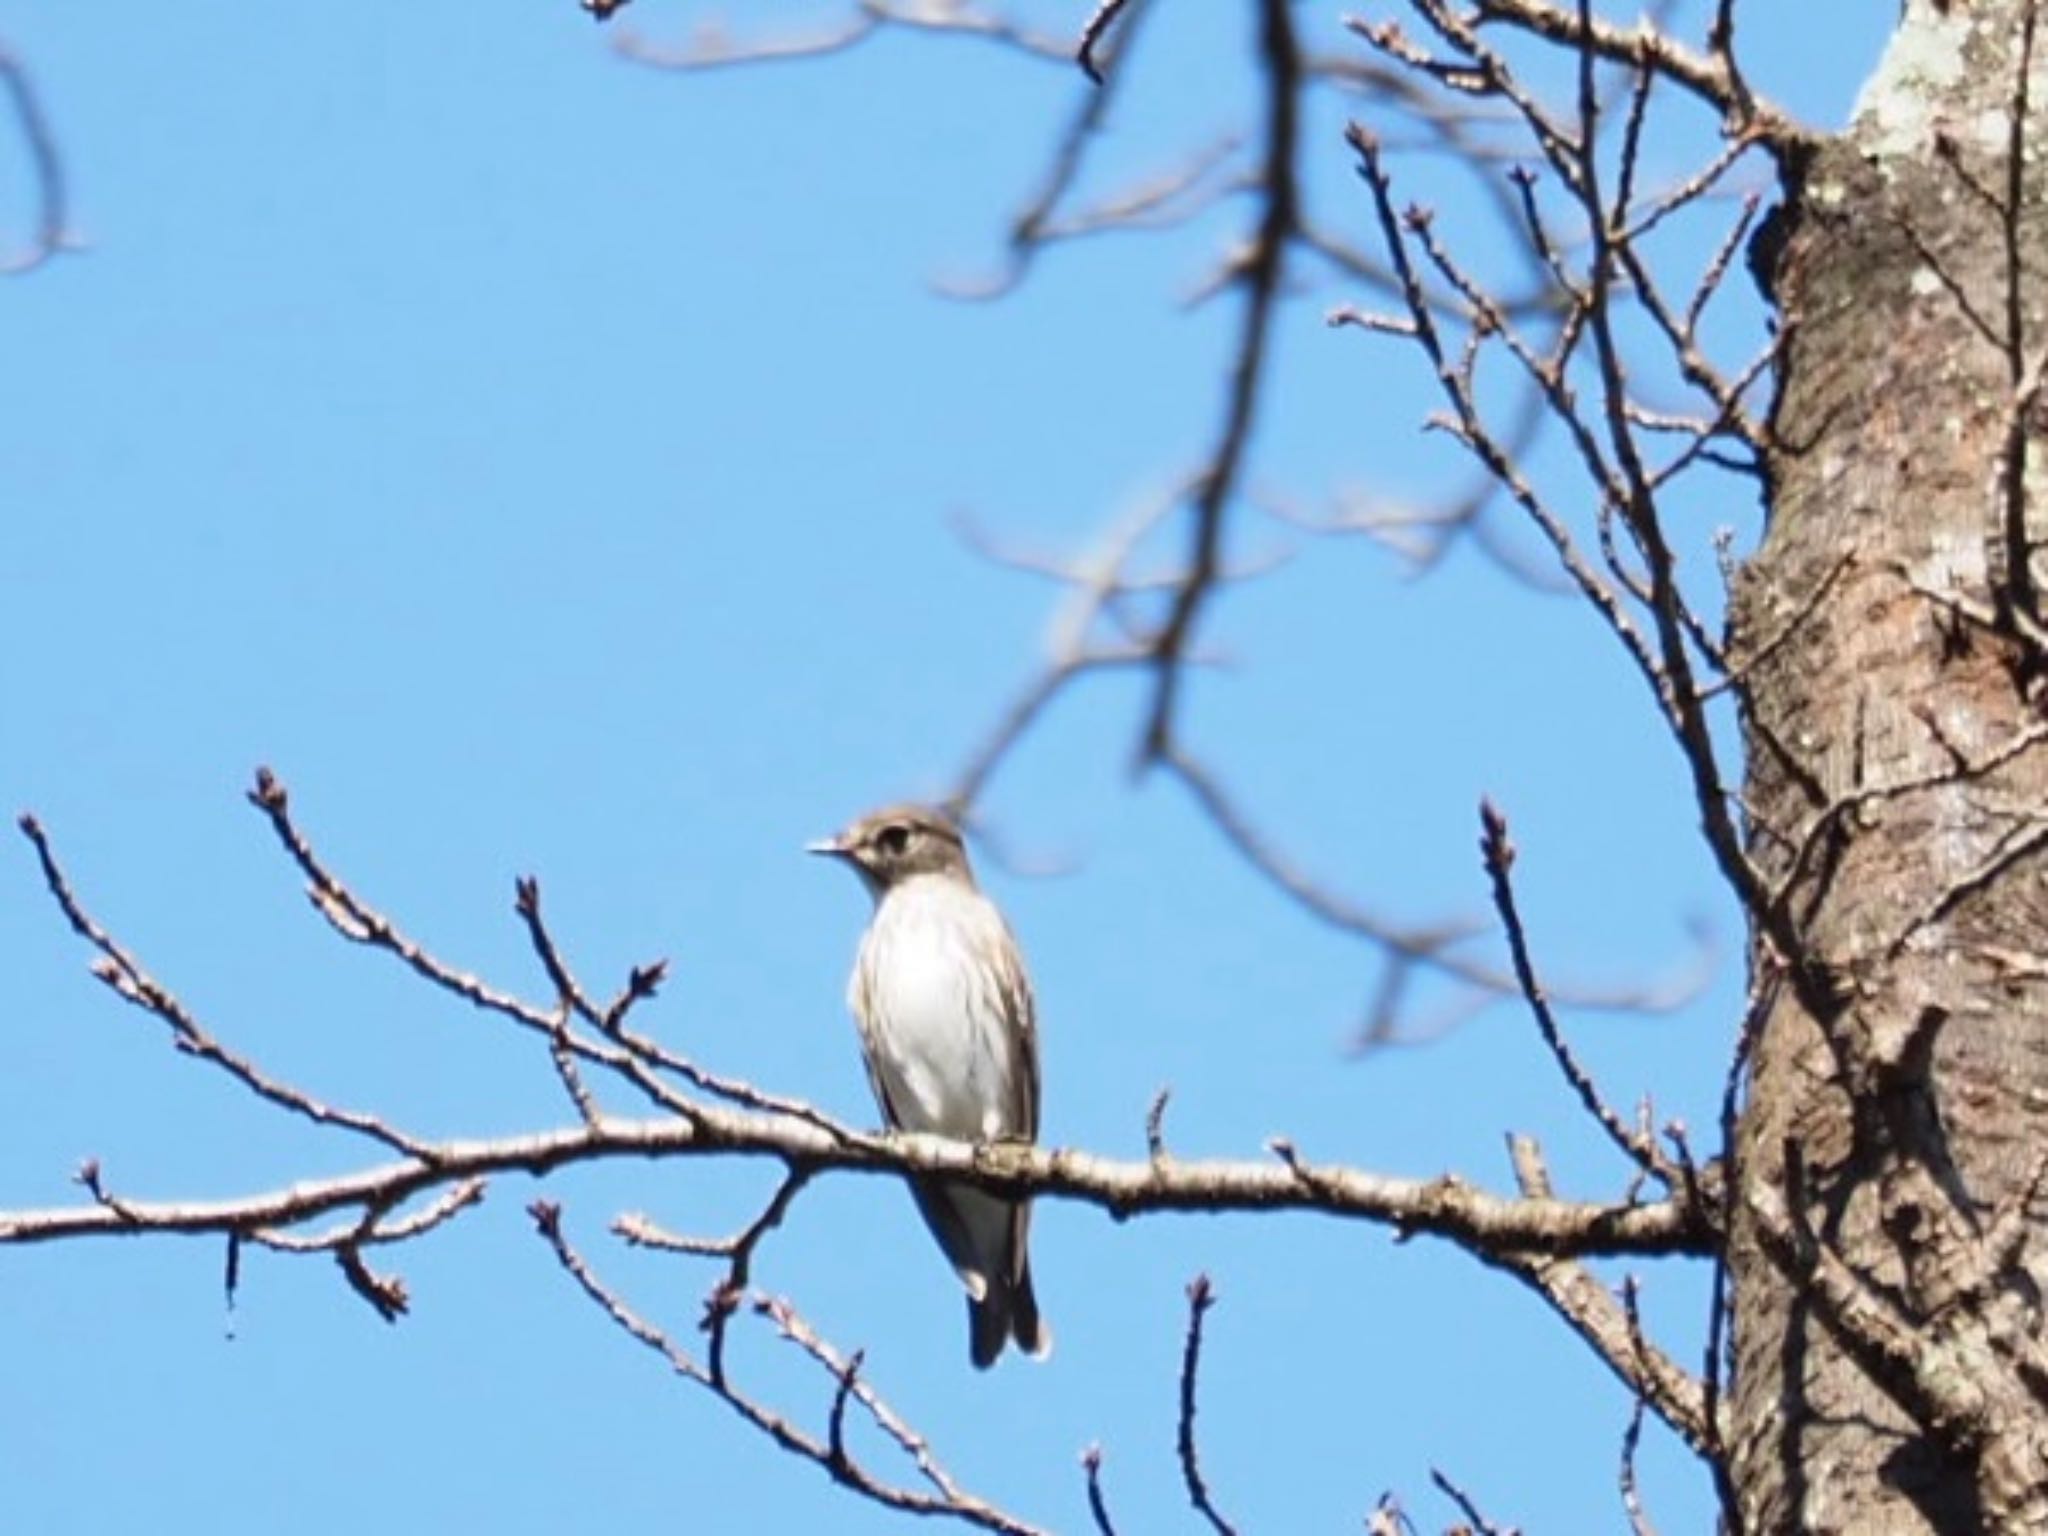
{"x":546,"y":464}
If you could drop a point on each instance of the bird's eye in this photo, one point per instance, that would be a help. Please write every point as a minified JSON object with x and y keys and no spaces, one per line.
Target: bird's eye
{"x":893,"y":839}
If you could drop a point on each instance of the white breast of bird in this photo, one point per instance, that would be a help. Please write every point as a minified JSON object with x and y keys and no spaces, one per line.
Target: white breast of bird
{"x":941,"y":1043}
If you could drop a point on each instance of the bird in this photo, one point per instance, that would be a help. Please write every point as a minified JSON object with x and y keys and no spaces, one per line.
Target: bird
{"x":949,"y":1035}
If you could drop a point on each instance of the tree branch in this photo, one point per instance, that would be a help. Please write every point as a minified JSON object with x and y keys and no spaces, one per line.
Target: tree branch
{"x":1445,"y":1207}
{"x":1201,"y":1297}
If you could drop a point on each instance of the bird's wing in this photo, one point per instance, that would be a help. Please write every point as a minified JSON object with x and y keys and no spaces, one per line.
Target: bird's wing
{"x":860,"y":998}
{"x":1013,"y":984}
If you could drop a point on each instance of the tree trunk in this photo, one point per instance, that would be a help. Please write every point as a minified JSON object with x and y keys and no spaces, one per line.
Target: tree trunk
{"x":1898,"y":1097}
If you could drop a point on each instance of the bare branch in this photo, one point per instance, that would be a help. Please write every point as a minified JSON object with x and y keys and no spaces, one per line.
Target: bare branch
{"x":1607,"y":1325}
{"x":711,"y":48}
{"x":738,"y":1251}
{"x":1201,"y":1297}
{"x":1088,"y":53}
{"x":372,"y":1230}
{"x":386,"y":1294}
{"x":1430,"y":947}
{"x":1098,"y":1502}
{"x":1480,"y":1525}
{"x":1499,"y":854}
{"x":1445,"y":1207}
{"x":1262,"y":270}
{"x":1631,"y":1495}
{"x":634,"y":1057}
{"x":46,"y":167}
{"x":1711,"y":77}
{"x":122,"y":972}
{"x":831,"y":1454}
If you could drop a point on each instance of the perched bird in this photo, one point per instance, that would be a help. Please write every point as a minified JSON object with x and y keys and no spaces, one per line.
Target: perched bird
{"x":948,"y":1031}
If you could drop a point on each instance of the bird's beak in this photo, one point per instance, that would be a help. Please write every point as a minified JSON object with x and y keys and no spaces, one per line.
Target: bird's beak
{"x":832,"y":847}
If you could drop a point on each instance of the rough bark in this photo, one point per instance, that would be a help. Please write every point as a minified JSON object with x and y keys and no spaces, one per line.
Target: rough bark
{"x":1898,"y":1101}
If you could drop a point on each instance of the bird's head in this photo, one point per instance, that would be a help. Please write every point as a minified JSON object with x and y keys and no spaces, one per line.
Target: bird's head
{"x":890,"y":846}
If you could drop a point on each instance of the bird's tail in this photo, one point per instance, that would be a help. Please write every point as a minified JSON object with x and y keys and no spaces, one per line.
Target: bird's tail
{"x":1032,"y":1332}
{"x":1008,"y":1310}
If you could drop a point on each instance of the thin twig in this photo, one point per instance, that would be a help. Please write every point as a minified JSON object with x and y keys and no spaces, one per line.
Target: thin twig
{"x":1201,"y":1297}
{"x":1499,"y":855}
{"x":1087,"y":52}
{"x":123,"y":973}
{"x":831,"y":1455}
{"x":46,"y":169}
{"x":1262,"y":270}
{"x":1458,"y":1496}
{"x":1098,"y":1502}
